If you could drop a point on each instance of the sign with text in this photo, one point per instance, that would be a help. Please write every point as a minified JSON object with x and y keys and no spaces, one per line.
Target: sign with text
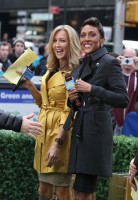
{"x":54,"y":9}
{"x":20,"y":96}
{"x":20,"y":102}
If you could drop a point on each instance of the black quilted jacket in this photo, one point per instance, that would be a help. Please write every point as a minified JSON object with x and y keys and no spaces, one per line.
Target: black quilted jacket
{"x":10,"y":122}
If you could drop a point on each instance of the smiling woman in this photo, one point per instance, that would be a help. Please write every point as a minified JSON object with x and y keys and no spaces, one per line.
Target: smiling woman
{"x":60,"y":47}
{"x":100,"y":84}
{"x":91,"y":38}
{"x":52,"y":146}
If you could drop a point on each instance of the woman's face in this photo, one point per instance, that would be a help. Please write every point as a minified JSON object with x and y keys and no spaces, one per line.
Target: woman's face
{"x":61,"y":45}
{"x":90,"y":39}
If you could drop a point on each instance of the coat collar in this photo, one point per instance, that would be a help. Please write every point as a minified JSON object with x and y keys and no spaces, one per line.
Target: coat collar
{"x":87,"y":61}
{"x":98,"y":54}
{"x":43,"y":88}
{"x":95,"y":55}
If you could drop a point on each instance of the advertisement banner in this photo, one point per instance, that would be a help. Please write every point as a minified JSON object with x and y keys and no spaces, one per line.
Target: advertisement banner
{"x":20,"y":102}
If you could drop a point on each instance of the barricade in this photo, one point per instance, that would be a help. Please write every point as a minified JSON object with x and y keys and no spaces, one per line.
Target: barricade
{"x":119,"y":188}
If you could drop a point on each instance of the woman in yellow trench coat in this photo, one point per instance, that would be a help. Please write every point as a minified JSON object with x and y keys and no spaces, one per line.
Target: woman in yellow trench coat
{"x":52,"y":146}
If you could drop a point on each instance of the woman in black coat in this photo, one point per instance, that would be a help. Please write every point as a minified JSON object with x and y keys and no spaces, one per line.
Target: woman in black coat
{"x":18,"y":123}
{"x":99,"y":85}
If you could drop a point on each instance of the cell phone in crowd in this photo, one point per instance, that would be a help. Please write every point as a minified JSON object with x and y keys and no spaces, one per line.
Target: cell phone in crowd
{"x":127,"y":61}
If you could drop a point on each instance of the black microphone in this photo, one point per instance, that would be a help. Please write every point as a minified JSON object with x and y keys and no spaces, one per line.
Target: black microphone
{"x":28,"y":74}
{"x":69,"y":84}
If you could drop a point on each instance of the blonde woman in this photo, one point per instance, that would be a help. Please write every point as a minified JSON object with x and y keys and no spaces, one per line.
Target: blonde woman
{"x":52,"y":147}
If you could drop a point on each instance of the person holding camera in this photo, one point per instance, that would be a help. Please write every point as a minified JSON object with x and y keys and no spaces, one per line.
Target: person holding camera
{"x":129,"y":65}
{"x":4,"y":52}
{"x":127,"y":62}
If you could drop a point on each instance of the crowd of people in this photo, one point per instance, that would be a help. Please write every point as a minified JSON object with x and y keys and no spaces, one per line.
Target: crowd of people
{"x":71,"y":138}
{"x":11,"y":51}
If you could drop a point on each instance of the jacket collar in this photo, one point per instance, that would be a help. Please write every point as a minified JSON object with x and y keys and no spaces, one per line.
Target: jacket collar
{"x":86,"y":62}
{"x":95,"y":55}
{"x":98,"y":54}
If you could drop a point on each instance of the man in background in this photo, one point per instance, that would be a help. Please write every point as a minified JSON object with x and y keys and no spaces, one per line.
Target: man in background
{"x":129,"y":65}
{"x":4,"y":52}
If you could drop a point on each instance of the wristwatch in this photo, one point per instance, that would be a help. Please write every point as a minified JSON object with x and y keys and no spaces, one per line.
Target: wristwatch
{"x":59,"y":141}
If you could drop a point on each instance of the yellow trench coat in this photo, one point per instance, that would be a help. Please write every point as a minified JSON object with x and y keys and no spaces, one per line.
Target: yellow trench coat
{"x":53,"y":113}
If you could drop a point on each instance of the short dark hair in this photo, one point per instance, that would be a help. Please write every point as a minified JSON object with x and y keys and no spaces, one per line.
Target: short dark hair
{"x":41,"y":49}
{"x":93,"y":21}
{"x":4,"y":43}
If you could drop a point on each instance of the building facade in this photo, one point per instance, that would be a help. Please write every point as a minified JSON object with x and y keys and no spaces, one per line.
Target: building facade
{"x":23,"y":17}
{"x":32,"y":19}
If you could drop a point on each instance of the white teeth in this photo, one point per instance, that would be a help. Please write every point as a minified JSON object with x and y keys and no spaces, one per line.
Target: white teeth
{"x":87,"y":45}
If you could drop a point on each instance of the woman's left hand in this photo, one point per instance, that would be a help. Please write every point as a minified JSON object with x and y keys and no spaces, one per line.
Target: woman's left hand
{"x":82,"y":86}
{"x":52,"y":155}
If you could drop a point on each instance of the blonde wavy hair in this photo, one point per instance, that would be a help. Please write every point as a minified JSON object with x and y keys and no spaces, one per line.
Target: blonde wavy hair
{"x":74,"y":48}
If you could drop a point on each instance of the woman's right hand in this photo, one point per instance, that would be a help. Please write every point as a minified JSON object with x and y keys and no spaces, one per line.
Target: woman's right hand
{"x":73,"y":95}
{"x":28,"y":84}
{"x":25,"y":82}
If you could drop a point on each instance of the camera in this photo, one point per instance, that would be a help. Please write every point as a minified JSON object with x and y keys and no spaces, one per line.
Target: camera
{"x":127,"y":61}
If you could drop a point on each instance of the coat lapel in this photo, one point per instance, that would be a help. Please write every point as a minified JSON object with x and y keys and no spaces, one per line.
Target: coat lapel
{"x":55,"y":80}
{"x":86,"y":70}
{"x":44,"y":88}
